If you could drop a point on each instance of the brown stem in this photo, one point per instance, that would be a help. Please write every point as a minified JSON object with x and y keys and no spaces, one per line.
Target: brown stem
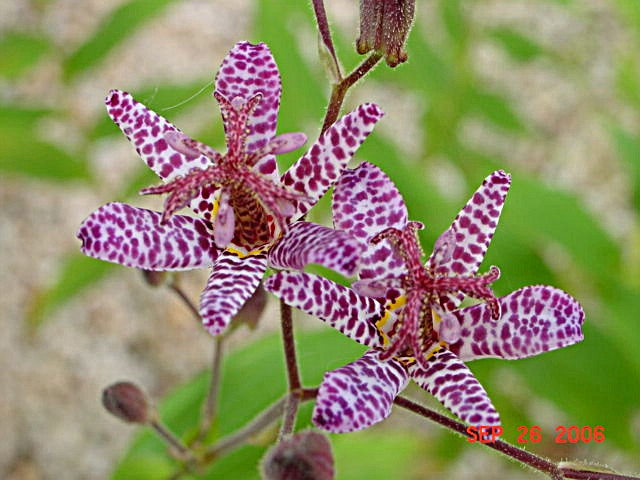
{"x":289,"y":346}
{"x":210,"y":407}
{"x":325,"y":33}
{"x":174,"y":442}
{"x":534,"y":461}
{"x":293,"y":374}
{"x":187,"y":301}
{"x":238,"y":438}
{"x":340,"y":89}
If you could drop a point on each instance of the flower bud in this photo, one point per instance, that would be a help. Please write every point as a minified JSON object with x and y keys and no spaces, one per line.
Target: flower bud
{"x":303,"y":456}
{"x":128,"y":402}
{"x":384,"y":28}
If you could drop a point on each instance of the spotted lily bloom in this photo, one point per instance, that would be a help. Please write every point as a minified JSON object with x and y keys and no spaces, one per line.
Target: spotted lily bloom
{"x":409,"y":313}
{"x":244,"y":206}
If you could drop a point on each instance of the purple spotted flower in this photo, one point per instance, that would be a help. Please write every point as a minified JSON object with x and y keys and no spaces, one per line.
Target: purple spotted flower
{"x":244,"y":206}
{"x":409,"y":312}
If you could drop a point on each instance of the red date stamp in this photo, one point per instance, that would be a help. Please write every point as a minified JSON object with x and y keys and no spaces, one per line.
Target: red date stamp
{"x":564,"y":434}
{"x":533,"y":434}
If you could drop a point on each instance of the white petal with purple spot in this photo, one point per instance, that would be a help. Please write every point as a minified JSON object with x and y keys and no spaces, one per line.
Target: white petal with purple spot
{"x":307,"y":243}
{"x":449,"y":380}
{"x":534,"y":320}
{"x":232,"y":282}
{"x":134,"y":237}
{"x":320,"y":167}
{"x":339,"y":306}
{"x":359,"y":394}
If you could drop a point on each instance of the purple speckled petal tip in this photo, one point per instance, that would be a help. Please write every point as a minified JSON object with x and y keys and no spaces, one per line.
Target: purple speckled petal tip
{"x":134,"y":237}
{"x":230,"y":285}
{"x":339,"y":306}
{"x":250,"y":70}
{"x":472,"y":230}
{"x":320,"y":167}
{"x":365,"y":202}
{"x":449,"y":380}
{"x":534,"y":320}
{"x":359,"y":394}
{"x":307,"y":243}
{"x":146,"y":130}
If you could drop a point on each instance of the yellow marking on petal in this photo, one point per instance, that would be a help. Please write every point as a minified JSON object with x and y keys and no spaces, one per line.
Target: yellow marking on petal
{"x":435,"y":348}
{"x":391,"y":306}
{"x":244,"y":254}
{"x":435,"y":316}
{"x":216,"y":204}
{"x":397,"y":303}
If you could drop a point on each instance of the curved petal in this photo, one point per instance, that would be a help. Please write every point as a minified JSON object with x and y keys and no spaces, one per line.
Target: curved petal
{"x":359,"y":394}
{"x":134,"y":237}
{"x":449,"y":380}
{"x":461,"y":248}
{"x":339,"y":306}
{"x":320,"y":167}
{"x":232,"y":282}
{"x":249,"y":70}
{"x":534,"y":320}
{"x":146,"y":130}
{"x":307,"y":243}
{"x":365,"y":202}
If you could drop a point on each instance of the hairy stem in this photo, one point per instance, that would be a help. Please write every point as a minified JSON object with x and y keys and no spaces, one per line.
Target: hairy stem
{"x":325,"y":34}
{"x":179,"y":448}
{"x":293,"y":374}
{"x":341,"y":88}
{"x":210,"y":407}
{"x":534,"y":461}
{"x":175,"y":286}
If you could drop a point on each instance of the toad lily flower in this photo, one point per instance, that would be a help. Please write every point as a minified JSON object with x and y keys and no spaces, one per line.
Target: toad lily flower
{"x":244,"y":206}
{"x":409,"y":312}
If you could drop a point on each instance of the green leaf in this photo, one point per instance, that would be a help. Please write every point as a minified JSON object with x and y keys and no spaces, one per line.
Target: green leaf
{"x":520,"y":47}
{"x":494,"y":108}
{"x":23,"y":152}
{"x":454,"y":19}
{"x":78,"y":272}
{"x":628,"y":147}
{"x":628,"y":79}
{"x":18,"y":52}
{"x":117,"y":27}
{"x":396,"y":454}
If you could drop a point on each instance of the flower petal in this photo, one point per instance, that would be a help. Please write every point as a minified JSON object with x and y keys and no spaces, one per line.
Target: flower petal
{"x":449,"y":380}
{"x":534,"y":320}
{"x":461,"y":248}
{"x":246,"y":71}
{"x":365,"y":202}
{"x":307,"y":243}
{"x":359,"y":394}
{"x":232,"y":282}
{"x":146,"y":130}
{"x":339,"y":306}
{"x":134,"y":237}
{"x":320,"y":167}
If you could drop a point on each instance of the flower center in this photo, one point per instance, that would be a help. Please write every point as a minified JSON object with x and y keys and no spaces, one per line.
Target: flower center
{"x":250,"y":208}
{"x":424,"y":321}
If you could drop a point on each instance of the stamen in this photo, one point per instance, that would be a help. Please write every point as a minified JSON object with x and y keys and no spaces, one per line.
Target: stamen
{"x":224,"y":222}
{"x":176,"y":141}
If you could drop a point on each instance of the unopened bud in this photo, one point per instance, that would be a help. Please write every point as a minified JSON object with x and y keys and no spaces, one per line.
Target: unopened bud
{"x":128,"y":402}
{"x":384,"y":28}
{"x":154,"y":278}
{"x":303,"y":456}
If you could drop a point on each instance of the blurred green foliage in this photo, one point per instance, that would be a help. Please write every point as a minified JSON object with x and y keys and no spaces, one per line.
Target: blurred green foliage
{"x":595,"y":383}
